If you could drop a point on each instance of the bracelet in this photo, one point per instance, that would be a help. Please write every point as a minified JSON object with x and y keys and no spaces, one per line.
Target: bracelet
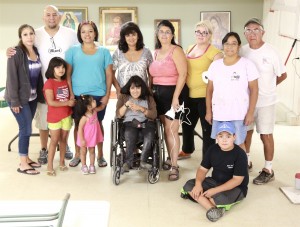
{"x":126,"y":105}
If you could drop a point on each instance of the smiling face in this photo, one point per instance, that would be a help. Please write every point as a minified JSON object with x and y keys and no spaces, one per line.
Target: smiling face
{"x":87,"y":33}
{"x":51,"y":17}
{"x":135,"y":92}
{"x":27,"y":36}
{"x":202,"y":35}
{"x":231,"y":47}
{"x":225,"y":141}
{"x":164,"y":35}
{"x":131,"y":39}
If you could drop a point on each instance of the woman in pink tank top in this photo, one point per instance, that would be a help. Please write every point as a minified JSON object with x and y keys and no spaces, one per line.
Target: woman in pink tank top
{"x":168,"y":76}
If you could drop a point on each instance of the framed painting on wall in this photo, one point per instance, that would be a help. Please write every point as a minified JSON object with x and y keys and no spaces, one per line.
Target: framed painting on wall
{"x":220,"y":21}
{"x":111,"y":20}
{"x":71,"y":17}
{"x":177,"y":25}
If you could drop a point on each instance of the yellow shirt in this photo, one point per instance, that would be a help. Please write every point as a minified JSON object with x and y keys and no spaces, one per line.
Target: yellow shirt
{"x":196,"y":66}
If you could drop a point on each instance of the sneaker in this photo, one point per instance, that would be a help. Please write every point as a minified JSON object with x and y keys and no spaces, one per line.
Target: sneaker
{"x":182,"y":155}
{"x":264,"y":177}
{"x":214,"y":214}
{"x":85,"y":170}
{"x":92,"y":169}
{"x":125,"y":168}
{"x":69,"y":154}
{"x":250,"y":166}
{"x":43,"y":159}
{"x":101,"y":162}
{"x":145,"y":165}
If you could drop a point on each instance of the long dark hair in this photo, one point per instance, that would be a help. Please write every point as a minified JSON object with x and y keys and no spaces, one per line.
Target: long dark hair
{"x":21,"y":44}
{"x":138,"y":82}
{"x":81,"y":107}
{"x":55,"y":62}
{"x":127,"y":29}
{"x":168,"y":24}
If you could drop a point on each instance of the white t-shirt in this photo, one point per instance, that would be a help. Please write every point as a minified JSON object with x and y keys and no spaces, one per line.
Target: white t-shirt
{"x":230,"y":100}
{"x":56,"y":46}
{"x":270,"y":66}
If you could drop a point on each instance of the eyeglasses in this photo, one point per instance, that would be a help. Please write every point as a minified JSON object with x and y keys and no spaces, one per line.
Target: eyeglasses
{"x":160,"y":32}
{"x":203,"y":34}
{"x":230,"y":44}
{"x":254,"y":31}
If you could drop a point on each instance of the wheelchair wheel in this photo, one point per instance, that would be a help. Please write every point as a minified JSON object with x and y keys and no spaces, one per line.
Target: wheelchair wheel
{"x":116,"y":176}
{"x":153,"y":177}
{"x":113,"y":137}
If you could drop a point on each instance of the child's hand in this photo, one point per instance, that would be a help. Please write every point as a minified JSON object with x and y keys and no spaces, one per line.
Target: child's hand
{"x":83,"y":143}
{"x":196,"y":192}
{"x":209,"y":193}
{"x":71,"y":102}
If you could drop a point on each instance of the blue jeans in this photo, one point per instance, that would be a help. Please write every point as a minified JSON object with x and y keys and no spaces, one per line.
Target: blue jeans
{"x":24,"y":119}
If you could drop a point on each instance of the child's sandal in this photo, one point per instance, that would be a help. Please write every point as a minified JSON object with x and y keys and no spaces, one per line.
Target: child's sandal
{"x":51,"y":173}
{"x":174,"y":173}
{"x":63,"y":168}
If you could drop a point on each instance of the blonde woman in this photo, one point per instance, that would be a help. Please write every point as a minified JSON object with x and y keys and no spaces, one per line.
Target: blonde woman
{"x":199,"y":57}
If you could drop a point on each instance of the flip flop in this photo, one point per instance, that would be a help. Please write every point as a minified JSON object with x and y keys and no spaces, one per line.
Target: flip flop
{"x":74,"y":162}
{"x":26,"y":171}
{"x":34,"y":164}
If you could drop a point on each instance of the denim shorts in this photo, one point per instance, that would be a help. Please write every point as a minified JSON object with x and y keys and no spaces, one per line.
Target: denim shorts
{"x":240,"y":130}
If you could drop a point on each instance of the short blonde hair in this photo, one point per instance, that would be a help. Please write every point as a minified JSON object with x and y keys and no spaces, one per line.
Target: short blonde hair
{"x":207,"y":25}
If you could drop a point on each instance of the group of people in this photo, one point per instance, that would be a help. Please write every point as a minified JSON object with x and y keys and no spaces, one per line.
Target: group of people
{"x":78,"y":75}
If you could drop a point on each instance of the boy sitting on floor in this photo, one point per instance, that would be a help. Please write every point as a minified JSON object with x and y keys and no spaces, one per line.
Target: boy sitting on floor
{"x":229,"y":181}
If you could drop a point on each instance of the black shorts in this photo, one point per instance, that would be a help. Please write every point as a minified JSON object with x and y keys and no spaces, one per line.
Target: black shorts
{"x":223,"y":198}
{"x":163,"y":96}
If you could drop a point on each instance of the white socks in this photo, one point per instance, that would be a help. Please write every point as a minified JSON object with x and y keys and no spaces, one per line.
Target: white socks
{"x":268,"y":165}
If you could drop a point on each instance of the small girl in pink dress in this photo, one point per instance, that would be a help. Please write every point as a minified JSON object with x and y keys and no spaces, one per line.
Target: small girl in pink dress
{"x":89,"y":131}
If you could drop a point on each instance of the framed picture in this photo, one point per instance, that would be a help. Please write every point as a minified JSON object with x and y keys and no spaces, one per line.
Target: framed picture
{"x":176,"y":23}
{"x":72,"y":16}
{"x":111,"y":20}
{"x":220,"y":21}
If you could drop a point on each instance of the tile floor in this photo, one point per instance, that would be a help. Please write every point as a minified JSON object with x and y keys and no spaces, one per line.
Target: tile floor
{"x":135,"y":202}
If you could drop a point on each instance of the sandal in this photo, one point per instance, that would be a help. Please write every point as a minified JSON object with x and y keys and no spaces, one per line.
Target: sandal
{"x":74,"y":162}
{"x":167,"y":164}
{"x":34,"y":164}
{"x":101,"y":162}
{"x":51,"y":173}
{"x":63,"y":168}
{"x":174,"y":173}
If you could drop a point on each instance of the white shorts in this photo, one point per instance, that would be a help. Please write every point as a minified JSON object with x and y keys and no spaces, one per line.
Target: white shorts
{"x":41,"y":116}
{"x":264,"y":118}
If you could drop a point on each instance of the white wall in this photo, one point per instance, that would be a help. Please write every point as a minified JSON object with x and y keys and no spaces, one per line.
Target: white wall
{"x":284,"y":21}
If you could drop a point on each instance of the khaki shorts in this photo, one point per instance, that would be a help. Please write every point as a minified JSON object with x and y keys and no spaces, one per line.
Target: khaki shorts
{"x":264,"y":120}
{"x":41,"y":116}
{"x":64,"y":124}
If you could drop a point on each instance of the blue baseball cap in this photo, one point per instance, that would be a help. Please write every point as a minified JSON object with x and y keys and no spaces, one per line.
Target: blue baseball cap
{"x":226,"y":126}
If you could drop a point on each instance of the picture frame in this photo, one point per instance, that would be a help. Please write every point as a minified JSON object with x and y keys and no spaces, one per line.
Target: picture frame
{"x":177,"y":25}
{"x":72,"y":16}
{"x":221,"y":22}
{"x":111,"y":20}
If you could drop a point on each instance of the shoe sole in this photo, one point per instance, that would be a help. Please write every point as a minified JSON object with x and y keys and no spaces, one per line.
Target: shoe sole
{"x":183,"y":157}
{"x":261,"y":183}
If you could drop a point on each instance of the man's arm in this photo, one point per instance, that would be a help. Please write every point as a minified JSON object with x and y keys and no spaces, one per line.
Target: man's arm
{"x":281,"y":78}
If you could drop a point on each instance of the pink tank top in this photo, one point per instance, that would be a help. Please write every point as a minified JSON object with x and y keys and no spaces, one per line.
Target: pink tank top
{"x":164,"y":72}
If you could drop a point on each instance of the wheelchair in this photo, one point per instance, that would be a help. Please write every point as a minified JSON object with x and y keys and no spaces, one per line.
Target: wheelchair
{"x":118,"y":151}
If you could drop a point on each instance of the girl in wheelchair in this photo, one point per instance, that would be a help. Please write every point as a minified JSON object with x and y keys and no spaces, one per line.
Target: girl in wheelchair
{"x":138,"y":108}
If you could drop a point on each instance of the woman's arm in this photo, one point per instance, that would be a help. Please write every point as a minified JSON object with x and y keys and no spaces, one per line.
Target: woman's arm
{"x":208,"y":100}
{"x":109,"y":80}
{"x":181,"y":66}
